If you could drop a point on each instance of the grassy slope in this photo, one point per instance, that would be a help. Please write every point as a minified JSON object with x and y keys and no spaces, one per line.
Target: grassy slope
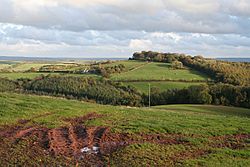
{"x":200,"y":121}
{"x":4,"y":66}
{"x":159,"y":71}
{"x":16,"y":75}
{"x":153,"y":71}
{"x":143,"y":86}
{"x":26,"y":66}
{"x":156,"y":71}
{"x":129,"y":65}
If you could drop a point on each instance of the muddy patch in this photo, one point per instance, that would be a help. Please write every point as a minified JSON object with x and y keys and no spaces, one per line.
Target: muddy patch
{"x":90,"y":145}
{"x":80,"y":143}
{"x":80,"y":120}
{"x":237,"y":141}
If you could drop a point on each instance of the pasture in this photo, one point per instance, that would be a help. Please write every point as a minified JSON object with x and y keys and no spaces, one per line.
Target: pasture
{"x":31,"y":75}
{"x":17,"y":75}
{"x":174,"y":135}
{"x":143,"y":87}
{"x":129,"y":64}
{"x":159,"y":71}
{"x":25,"y":66}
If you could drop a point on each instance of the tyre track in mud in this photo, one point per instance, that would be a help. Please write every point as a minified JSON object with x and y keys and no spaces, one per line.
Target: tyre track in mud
{"x":20,"y":129}
{"x":59,"y":142}
{"x":68,"y":141}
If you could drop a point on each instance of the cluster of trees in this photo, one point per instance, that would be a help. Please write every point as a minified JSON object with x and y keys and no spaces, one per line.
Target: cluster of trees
{"x":227,"y":72}
{"x":101,"y":68}
{"x":218,"y":94}
{"x":108,"y":70}
{"x":177,"y":65}
{"x":101,"y":91}
{"x":7,"y":85}
{"x":235,"y":73}
{"x":64,"y":68}
{"x":155,"y":56}
{"x":108,"y":92}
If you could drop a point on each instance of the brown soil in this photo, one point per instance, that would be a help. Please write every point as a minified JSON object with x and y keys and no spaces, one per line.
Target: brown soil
{"x":80,"y":120}
{"x":68,"y":141}
{"x":190,"y":154}
{"x":230,"y":141}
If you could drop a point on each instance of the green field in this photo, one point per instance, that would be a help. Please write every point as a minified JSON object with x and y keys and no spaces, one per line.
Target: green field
{"x":159,"y":71}
{"x":8,"y":62}
{"x":18,"y":106}
{"x":199,"y":135}
{"x":30,"y":75}
{"x":4,"y":66}
{"x":24,"y":66}
{"x":17,"y":69}
{"x":129,"y":65}
{"x":16,"y":75}
{"x":144,"y":86}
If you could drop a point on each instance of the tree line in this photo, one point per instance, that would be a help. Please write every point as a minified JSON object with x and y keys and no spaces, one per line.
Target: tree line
{"x":115,"y":93}
{"x":217,"y":94}
{"x":106,"y":71}
{"x":8,"y":85}
{"x":235,"y":73}
{"x":100,"y":68}
{"x":84,"y":88}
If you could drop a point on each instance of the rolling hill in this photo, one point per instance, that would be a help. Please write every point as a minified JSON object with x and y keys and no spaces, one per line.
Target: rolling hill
{"x":37,"y":130}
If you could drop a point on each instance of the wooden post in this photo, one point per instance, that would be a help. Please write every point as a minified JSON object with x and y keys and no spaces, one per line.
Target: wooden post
{"x":149,"y":89}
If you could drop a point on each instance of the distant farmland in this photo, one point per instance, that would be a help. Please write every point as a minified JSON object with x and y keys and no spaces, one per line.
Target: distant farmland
{"x":144,"y":86}
{"x":159,"y":71}
{"x":159,"y":75}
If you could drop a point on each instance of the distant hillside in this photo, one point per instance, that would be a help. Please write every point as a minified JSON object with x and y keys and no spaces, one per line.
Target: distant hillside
{"x":235,"y":59}
{"x":17,"y":58}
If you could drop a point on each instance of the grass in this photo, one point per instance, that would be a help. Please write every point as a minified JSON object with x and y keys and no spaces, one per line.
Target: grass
{"x":8,"y":62}
{"x":129,"y":65}
{"x":16,"y":75}
{"x":30,"y":75}
{"x":24,"y":66}
{"x":159,"y":71}
{"x":4,"y":66}
{"x":207,"y":109}
{"x":172,"y":118}
{"x":143,"y":86}
{"x":196,"y":123}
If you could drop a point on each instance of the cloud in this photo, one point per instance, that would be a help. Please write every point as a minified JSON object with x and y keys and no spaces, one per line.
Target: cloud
{"x":30,"y":41}
{"x":120,"y":27}
{"x":139,"y":44}
{"x":159,"y":15}
{"x":240,"y":8}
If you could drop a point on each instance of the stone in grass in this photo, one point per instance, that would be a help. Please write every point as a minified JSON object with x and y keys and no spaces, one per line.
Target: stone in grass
{"x":94,"y":150}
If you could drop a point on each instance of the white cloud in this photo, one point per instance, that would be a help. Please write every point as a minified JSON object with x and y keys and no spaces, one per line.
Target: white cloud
{"x":167,"y":36}
{"x":120,"y":27}
{"x":193,"y":16}
{"x":240,"y":8}
{"x":139,"y":44}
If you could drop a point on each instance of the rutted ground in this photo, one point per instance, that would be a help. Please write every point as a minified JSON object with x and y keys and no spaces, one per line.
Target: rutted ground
{"x":42,"y":131}
{"x":77,"y":144}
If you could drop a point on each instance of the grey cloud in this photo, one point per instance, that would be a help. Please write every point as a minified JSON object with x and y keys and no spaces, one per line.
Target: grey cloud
{"x":119,"y":27}
{"x":209,"y":16}
{"x":118,"y":43}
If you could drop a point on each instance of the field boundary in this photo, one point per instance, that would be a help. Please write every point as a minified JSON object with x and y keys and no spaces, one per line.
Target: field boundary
{"x":138,"y":67}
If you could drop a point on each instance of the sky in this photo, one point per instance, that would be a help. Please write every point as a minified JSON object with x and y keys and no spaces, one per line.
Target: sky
{"x":118,"y":28}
